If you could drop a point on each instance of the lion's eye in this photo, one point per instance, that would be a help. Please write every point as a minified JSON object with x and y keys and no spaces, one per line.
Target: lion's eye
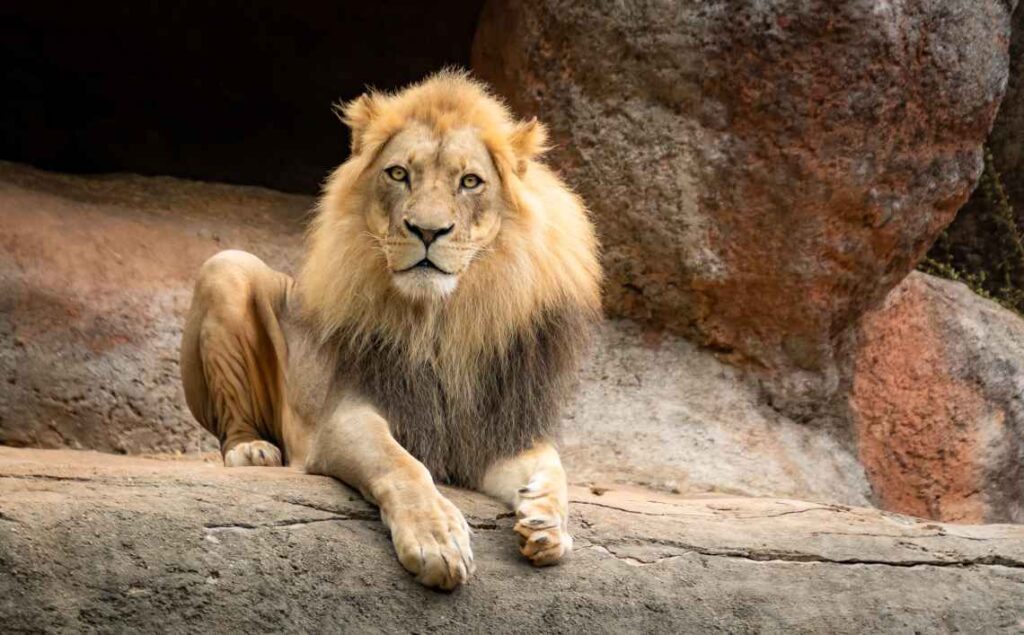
{"x":471,"y":182}
{"x":397,"y":173}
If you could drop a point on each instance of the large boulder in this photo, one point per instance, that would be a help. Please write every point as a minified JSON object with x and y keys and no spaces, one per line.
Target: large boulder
{"x":761,"y":173}
{"x":92,"y":542}
{"x":937,"y":403}
{"x":656,"y":410}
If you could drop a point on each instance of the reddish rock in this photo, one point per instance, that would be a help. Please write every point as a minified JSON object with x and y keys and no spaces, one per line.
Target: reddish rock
{"x":937,"y":403}
{"x":761,"y":173}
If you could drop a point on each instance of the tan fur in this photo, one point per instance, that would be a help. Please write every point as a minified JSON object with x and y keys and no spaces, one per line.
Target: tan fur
{"x":534,"y":484}
{"x":545,"y":253}
{"x":519,"y":285}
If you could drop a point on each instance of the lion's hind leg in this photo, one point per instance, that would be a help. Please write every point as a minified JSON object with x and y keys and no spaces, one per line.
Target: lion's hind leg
{"x":253,"y":453}
{"x":233,"y":357}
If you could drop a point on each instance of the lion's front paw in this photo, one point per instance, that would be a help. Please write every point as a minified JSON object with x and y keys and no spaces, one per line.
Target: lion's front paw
{"x":253,"y":453}
{"x":542,"y":524}
{"x":432,"y":542}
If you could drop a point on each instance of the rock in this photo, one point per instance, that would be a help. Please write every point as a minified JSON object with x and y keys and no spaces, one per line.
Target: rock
{"x":91,"y":316}
{"x":96,"y":542}
{"x":761,"y":173}
{"x":981,"y":243}
{"x":654,"y":409}
{"x":937,"y":403}
{"x":95,"y":276}
{"x":1007,"y":138}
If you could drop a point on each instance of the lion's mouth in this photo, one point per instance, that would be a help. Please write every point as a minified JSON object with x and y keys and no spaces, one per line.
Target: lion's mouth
{"x":427,"y":264}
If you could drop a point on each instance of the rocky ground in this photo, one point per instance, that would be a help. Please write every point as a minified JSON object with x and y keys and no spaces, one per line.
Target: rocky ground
{"x":88,"y":540}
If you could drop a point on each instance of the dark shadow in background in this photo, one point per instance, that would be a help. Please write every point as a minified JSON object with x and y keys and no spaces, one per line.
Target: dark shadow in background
{"x":238,"y":92}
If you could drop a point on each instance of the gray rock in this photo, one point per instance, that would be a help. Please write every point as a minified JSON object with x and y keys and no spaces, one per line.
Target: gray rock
{"x":654,"y":409}
{"x":92,"y":542}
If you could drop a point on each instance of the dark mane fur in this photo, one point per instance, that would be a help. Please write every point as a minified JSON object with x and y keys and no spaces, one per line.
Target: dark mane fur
{"x":516,"y":398}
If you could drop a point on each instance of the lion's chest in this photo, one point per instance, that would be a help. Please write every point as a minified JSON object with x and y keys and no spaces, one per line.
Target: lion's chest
{"x":457,"y":430}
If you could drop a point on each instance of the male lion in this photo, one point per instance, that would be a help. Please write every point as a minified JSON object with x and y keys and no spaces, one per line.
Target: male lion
{"x":450,"y":284}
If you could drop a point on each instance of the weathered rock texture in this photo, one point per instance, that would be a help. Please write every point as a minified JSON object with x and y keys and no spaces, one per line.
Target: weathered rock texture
{"x":1007,"y":138}
{"x":937,"y":403}
{"x":96,"y":273}
{"x":94,"y":542}
{"x":761,"y":172}
{"x":985,"y":242}
{"x":657,"y":411}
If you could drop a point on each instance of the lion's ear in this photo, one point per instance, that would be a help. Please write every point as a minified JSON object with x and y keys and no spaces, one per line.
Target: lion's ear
{"x":529,"y":140}
{"x":357,"y":115}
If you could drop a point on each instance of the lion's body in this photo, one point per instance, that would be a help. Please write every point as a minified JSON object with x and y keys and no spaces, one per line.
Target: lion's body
{"x":465,"y":359}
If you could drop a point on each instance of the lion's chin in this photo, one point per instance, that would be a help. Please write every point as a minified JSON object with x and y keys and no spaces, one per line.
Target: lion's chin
{"x":425,"y":284}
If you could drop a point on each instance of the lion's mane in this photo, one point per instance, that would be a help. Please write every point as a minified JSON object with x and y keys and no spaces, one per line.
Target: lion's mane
{"x":479,"y":375}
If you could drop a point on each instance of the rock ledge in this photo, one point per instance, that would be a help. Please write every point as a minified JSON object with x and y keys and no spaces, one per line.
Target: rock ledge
{"x":98,"y":542}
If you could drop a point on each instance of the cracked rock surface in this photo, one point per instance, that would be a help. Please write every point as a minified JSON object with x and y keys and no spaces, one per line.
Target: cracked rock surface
{"x":97,"y":542}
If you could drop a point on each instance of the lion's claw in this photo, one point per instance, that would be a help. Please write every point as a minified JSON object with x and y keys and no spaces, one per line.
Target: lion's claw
{"x":432,"y":543}
{"x":543,"y":533}
{"x":262,"y":453}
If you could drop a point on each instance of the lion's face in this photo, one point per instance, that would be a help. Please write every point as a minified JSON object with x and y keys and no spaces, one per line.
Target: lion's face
{"x":443,"y":233}
{"x":436,"y":205}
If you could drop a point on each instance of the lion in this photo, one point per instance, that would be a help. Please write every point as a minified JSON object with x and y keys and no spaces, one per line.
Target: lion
{"x":449,"y":287}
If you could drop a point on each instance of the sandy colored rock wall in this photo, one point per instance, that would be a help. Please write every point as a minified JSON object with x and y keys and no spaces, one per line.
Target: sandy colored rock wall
{"x":95,"y":276}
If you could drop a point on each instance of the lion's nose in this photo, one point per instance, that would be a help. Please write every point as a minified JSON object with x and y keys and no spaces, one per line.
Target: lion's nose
{"x":427,"y":235}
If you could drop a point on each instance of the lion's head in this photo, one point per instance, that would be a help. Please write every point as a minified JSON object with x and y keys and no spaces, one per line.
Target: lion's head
{"x":434,"y":203}
{"x":443,"y":218}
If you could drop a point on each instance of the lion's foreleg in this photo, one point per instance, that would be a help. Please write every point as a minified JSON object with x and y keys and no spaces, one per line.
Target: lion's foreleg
{"x":534,"y":484}
{"x":429,"y":533}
